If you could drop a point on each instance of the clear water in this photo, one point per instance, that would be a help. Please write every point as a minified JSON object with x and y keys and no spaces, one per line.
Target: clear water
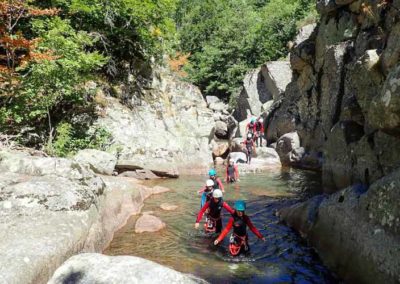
{"x":283,"y":258}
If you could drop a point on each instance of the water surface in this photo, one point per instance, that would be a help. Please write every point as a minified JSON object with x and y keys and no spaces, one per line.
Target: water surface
{"x":283,"y":258}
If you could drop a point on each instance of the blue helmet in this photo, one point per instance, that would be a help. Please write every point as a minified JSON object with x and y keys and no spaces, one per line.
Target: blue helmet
{"x":253,"y":119}
{"x":212,"y":172}
{"x":240,"y":205}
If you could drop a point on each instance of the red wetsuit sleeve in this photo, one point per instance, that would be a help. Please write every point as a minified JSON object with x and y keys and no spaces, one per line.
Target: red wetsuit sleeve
{"x":202,"y":190}
{"x":252,"y":228}
{"x":226,"y":230}
{"x":228,"y":208}
{"x":221,"y":186}
{"x":201,"y":212}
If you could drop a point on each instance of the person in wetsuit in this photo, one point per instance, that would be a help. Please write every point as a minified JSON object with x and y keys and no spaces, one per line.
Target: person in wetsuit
{"x":251,"y":127}
{"x":232,"y":172}
{"x":259,"y":131}
{"x":215,"y":206}
{"x":217,"y":181}
{"x":249,"y":147}
{"x":239,"y":222}
{"x":206,"y":192}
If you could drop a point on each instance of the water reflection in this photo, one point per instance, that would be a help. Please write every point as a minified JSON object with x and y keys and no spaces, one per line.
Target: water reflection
{"x":283,"y":258}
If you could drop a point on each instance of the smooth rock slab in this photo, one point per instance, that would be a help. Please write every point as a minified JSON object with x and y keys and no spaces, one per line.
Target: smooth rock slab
{"x":97,"y":268}
{"x":168,"y":207}
{"x":148,"y":223}
{"x":100,"y":162}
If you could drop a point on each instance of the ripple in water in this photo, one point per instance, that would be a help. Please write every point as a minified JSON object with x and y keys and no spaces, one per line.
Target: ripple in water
{"x":283,"y":258}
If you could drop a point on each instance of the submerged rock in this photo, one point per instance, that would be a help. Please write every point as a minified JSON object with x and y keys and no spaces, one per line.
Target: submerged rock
{"x":168,"y":207}
{"x":148,"y":223}
{"x":99,"y":268}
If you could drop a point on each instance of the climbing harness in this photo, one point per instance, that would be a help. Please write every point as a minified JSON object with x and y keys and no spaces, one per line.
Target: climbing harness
{"x":211,"y":224}
{"x":236,"y":242}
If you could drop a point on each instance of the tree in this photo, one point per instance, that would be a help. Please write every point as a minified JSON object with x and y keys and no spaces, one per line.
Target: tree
{"x":15,"y":49}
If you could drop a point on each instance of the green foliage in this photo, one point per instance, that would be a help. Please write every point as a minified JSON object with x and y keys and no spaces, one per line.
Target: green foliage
{"x":128,"y":29}
{"x":50,"y":85}
{"x":70,"y":139}
{"x":228,"y":37}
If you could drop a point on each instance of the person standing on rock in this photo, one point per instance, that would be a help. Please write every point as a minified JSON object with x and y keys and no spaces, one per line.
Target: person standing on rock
{"x":217,"y":181}
{"x":206,"y":192}
{"x":239,"y":221}
{"x":249,"y":147}
{"x":215,"y":205}
{"x":259,"y":131}
{"x":232,"y":172}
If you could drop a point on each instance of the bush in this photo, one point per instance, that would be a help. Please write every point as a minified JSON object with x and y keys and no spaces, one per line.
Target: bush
{"x":69,"y":140}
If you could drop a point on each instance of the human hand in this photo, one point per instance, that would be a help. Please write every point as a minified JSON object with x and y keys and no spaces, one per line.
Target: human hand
{"x":263,"y":239}
{"x":216,"y":242}
{"x":196,"y":226}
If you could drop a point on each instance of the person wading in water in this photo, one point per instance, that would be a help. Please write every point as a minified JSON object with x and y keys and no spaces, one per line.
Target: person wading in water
{"x":215,"y":205}
{"x":239,"y":221}
{"x":232,"y":172}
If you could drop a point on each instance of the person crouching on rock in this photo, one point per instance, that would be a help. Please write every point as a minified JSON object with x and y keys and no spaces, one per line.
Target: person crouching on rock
{"x":232,"y":172}
{"x":249,"y":147}
{"x":215,"y":205}
{"x":206,"y":192}
{"x":217,"y":181}
{"x":239,"y":221}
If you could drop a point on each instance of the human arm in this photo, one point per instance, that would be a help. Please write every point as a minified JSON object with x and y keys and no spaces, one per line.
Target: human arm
{"x":252,"y":228}
{"x":201,"y":190}
{"x":221,"y":186}
{"x":228,"y":208}
{"x":224,"y":232}
{"x":201,"y":212}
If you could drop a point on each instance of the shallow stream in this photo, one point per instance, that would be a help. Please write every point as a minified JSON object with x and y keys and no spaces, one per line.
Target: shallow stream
{"x":283,"y":258}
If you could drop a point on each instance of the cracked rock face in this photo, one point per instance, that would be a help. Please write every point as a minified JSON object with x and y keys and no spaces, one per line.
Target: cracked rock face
{"x":344,"y":93}
{"x":169,"y":132}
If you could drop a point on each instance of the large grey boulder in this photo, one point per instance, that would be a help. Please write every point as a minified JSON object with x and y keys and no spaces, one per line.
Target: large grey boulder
{"x":169,"y":130}
{"x":277,"y":75}
{"x":238,"y":157}
{"x":221,"y":130}
{"x":365,"y":253}
{"x":99,"y":161}
{"x":391,"y":54}
{"x":99,"y":268}
{"x":53,"y":208}
{"x":288,"y":148}
{"x":252,"y":96}
{"x":384,"y":111}
{"x":160,"y":171}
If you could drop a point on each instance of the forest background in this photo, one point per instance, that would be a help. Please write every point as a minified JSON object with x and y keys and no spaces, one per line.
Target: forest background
{"x":51,"y":51}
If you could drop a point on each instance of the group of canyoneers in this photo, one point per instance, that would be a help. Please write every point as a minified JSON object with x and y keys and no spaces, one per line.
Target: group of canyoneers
{"x":254,"y":136}
{"x":212,"y":204}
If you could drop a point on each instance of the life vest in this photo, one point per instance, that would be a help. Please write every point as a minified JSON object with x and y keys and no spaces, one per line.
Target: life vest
{"x":239,"y":226}
{"x":215,"y":208}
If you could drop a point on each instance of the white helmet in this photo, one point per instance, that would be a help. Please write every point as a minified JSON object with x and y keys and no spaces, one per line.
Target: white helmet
{"x":261,"y":120}
{"x":249,"y":136}
{"x":209,"y":182}
{"x":217,"y":193}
